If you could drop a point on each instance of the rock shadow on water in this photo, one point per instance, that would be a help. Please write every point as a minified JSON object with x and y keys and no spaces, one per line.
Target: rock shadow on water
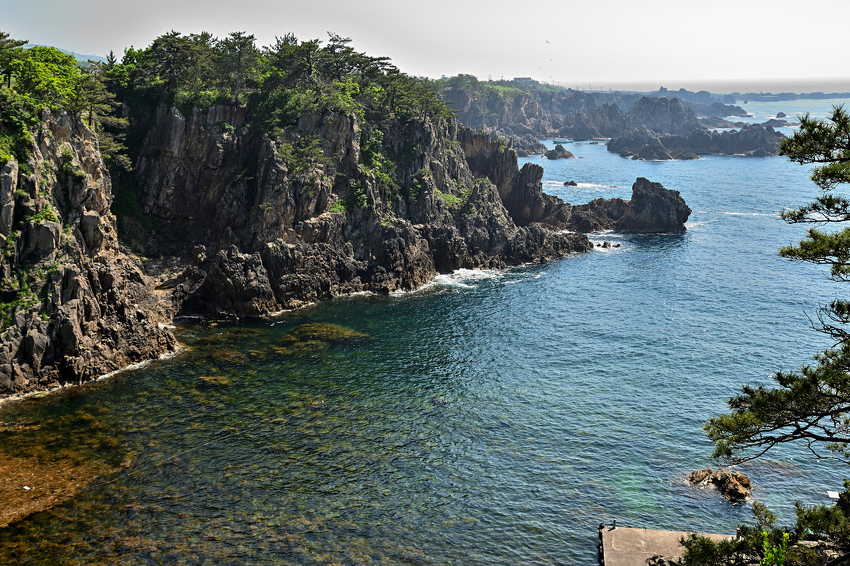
{"x":656,"y":241}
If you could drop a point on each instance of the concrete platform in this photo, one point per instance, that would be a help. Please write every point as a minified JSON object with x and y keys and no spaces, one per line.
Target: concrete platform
{"x":624,"y":546}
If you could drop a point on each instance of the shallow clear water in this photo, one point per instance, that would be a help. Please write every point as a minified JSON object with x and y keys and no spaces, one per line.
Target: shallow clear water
{"x":493,"y":417}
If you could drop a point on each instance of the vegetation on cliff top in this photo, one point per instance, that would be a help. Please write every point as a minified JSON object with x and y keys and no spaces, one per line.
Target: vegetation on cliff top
{"x":278,"y":83}
{"x":44,"y":77}
{"x":506,"y":89}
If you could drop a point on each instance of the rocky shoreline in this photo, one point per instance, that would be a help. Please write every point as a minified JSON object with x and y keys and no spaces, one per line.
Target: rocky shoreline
{"x":651,"y":128}
{"x":244,"y":231}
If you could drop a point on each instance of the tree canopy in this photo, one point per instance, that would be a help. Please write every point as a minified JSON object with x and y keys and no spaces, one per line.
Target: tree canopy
{"x":278,"y":83}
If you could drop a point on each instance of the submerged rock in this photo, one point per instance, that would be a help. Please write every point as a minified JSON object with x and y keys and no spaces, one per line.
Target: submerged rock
{"x":734,"y":486}
{"x":325,"y":331}
{"x":216,"y":380}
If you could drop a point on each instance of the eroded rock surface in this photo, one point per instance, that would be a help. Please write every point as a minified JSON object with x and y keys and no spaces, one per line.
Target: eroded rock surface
{"x":243,"y":228}
{"x":734,"y":486}
{"x":75,"y":305}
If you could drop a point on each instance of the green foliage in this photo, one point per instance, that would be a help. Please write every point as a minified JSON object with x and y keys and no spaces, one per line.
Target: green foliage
{"x":49,"y":76}
{"x":303,"y":155}
{"x":238,"y":62}
{"x":46,"y":215}
{"x":826,"y":143}
{"x":449,"y":199}
{"x":69,"y":168}
{"x":17,"y":286}
{"x":356,"y":196}
{"x":10,"y":55}
{"x":186,"y":100}
{"x":774,"y":555}
{"x":416,"y":183}
{"x":17,"y":118}
{"x":374,"y":162}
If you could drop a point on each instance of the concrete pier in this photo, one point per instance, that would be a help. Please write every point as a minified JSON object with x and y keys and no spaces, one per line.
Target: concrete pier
{"x":623,"y":546}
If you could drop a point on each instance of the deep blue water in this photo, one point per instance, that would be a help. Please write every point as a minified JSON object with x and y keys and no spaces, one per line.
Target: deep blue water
{"x":492,"y":417}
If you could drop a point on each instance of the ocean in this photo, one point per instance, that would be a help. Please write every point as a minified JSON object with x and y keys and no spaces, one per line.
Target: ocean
{"x":491,"y":417}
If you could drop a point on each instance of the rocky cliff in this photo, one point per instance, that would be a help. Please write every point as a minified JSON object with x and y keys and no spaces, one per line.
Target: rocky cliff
{"x":75,"y":306}
{"x":269,"y":232}
{"x":641,"y":127}
{"x":246,"y":224}
{"x":752,"y":140}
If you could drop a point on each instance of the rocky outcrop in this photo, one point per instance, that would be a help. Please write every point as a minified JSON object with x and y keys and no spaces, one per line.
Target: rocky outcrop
{"x":75,"y":306}
{"x":734,"y":486}
{"x":751,"y":140}
{"x":559,"y":153}
{"x":652,"y":208}
{"x":662,"y":115}
{"x":640,"y":143}
{"x":294,"y":233}
{"x":667,"y":125}
{"x":246,"y":225}
{"x":524,"y":146}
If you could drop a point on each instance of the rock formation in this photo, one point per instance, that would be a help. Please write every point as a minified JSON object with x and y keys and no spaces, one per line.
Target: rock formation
{"x":671,"y":118}
{"x":734,"y":486}
{"x":752,"y":140}
{"x":245,"y":225}
{"x":652,"y":208}
{"x":559,"y":153}
{"x":524,"y":146}
{"x":75,"y":305}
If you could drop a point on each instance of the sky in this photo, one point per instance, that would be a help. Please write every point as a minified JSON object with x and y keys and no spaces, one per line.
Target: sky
{"x":593,"y":45}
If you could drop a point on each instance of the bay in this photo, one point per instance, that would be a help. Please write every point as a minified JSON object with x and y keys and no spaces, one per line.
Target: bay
{"x":491,"y":417}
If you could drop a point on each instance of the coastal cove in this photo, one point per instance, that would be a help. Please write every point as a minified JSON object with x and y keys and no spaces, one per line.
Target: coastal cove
{"x":490,"y":417}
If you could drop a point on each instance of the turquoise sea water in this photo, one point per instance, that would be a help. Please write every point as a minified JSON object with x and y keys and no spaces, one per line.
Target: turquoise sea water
{"x":492,"y":417}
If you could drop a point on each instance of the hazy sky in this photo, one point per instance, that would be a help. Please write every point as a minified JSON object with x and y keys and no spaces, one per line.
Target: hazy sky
{"x":603,"y":43}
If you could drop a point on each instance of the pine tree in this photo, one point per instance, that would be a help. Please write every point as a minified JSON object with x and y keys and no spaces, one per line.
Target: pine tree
{"x":812,"y":405}
{"x":10,"y":54}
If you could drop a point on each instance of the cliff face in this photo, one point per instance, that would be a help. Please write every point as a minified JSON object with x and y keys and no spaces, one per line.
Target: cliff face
{"x":74,"y":305}
{"x":244,"y":225}
{"x":270,"y":232}
{"x":648,"y":128}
